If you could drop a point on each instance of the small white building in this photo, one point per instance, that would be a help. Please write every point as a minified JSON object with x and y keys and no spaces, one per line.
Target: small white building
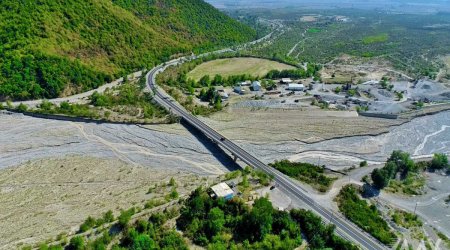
{"x":256,"y":86}
{"x":239,"y":89}
{"x":295,"y":87}
{"x":222,"y":190}
{"x":246,"y":83}
{"x":286,"y":80}
{"x":223,"y":95}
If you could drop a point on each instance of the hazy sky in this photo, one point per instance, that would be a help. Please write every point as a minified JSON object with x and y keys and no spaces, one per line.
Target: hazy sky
{"x":418,"y":5}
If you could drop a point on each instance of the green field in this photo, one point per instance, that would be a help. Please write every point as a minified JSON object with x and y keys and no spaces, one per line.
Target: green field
{"x":236,"y":66}
{"x":314,"y":30}
{"x":376,"y":39}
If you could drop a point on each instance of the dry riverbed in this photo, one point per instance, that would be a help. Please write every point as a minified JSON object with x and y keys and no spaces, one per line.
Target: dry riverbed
{"x":44,"y":198}
{"x":53,"y":174}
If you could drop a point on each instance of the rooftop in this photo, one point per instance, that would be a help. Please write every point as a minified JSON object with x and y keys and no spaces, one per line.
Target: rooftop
{"x":222,"y":190}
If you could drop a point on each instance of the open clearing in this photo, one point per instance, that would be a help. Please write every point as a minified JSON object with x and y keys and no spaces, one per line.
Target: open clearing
{"x":236,"y":66}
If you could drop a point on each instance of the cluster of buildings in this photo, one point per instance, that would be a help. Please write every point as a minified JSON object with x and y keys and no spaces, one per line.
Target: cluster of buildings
{"x":240,"y":87}
{"x":255,"y":86}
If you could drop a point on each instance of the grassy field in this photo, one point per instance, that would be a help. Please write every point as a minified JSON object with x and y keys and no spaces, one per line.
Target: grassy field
{"x":236,"y":66}
{"x":375,"y":39}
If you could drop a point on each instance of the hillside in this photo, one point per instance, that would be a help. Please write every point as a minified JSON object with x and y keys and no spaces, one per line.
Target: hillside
{"x":55,"y":48}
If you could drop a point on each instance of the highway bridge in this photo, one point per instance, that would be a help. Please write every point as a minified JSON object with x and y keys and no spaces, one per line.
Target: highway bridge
{"x":344,"y":228}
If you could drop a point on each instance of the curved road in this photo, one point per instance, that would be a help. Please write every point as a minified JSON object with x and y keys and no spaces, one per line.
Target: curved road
{"x":344,"y":227}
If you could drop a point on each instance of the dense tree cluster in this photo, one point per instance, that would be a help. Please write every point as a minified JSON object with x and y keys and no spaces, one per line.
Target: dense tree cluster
{"x":364,"y":215}
{"x":151,"y":234}
{"x":312,"y":70}
{"x":50,"y":48}
{"x":319,"y":235}
{"x":398,"y":163}
{"x":210,"y":95}
{"x":220,"y":224}
{"x":306,"y":172}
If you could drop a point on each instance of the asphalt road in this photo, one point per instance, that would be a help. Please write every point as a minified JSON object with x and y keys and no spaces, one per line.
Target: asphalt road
{"x":344,"y":227}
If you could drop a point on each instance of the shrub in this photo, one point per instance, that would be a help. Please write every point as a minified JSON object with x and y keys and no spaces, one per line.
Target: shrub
{"x":440,"y":161}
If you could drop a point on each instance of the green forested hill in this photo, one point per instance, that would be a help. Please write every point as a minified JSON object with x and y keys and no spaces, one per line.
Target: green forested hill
{"x":50,"y":48}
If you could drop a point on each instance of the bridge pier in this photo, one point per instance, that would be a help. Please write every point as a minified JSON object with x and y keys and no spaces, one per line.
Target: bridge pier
{"x":234,"y":158}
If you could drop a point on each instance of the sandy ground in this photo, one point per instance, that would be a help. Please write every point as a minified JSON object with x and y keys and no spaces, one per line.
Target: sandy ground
{"x":236,"y":66}
{"x":44,"y":198}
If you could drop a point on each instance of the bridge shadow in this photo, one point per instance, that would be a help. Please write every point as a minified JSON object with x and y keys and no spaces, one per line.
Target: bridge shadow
{"x":221,"y":155}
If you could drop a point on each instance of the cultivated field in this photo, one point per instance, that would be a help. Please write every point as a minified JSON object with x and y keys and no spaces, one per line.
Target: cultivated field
{"x":236,"y":66}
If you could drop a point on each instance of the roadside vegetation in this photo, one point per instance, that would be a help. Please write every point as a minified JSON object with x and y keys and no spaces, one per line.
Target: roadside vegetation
{"x":124,"y":103}
{"x":311,"y":174}
{"x":405,"y":219}
{"x":364,"y":215}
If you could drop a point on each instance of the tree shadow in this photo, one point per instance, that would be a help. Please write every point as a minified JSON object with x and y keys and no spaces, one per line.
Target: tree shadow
{"x":370,"y":191}
{"x":221,"y":155}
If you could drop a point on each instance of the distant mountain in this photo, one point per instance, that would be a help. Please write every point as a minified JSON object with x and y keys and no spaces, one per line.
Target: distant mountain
{"x":51,"y":48}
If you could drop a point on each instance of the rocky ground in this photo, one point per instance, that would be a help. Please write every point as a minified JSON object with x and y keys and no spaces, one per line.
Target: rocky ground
{"x":53,"y":174}
{"x":44,"y":198}
{"x":50,"y":170}
{"x":274,"y":135}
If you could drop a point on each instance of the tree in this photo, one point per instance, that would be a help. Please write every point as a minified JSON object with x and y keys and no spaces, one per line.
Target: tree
{"x":125,"y":216}
{"x":173,"y":240}
{"x":380,"y":178}
{"x":173,"y":194}
{"x":218,"y":80}
{"x":440,"y":161}
{"x":363,"y":164}
{"x":205,"y":81}
{"x":215,"y":221}
{"x":403,"y":161}
{"x":143,"y":242}
{"x":87,"y":224}
{"x":22,"y":107}
{"x":108,"y":216}
{"x":76,"y":243}
{"x":260,"y":219}
{"x":172,"y":182}
{"x":244,"y":182}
